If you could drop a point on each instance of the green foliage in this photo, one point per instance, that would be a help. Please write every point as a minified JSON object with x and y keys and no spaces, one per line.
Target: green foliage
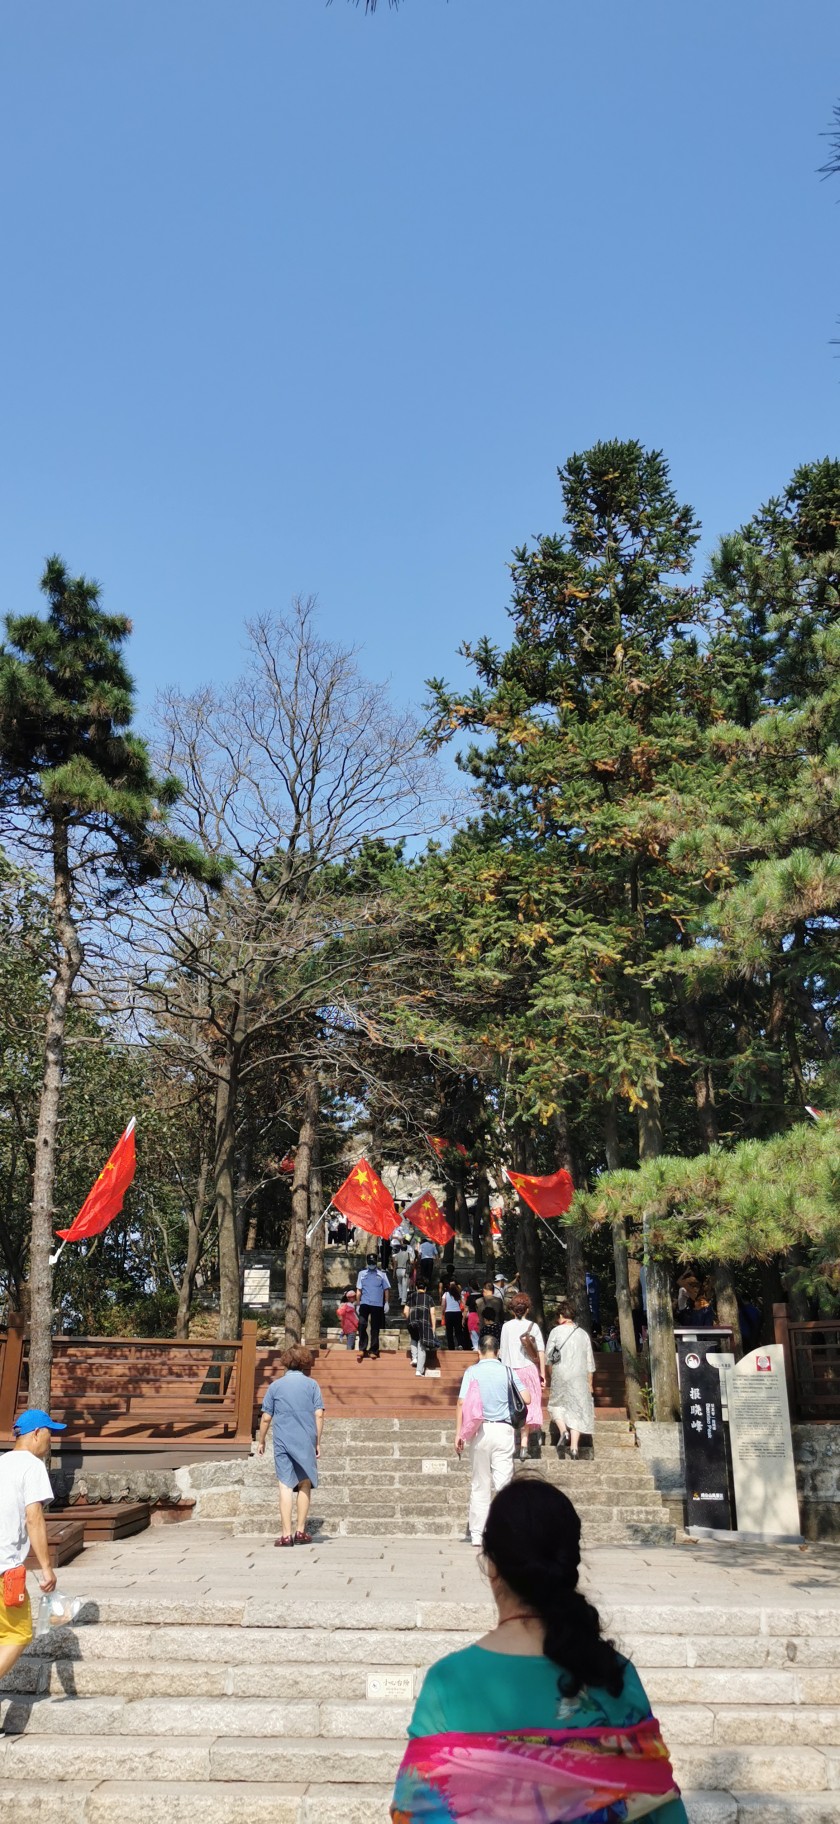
{"x":760,"y":1199}
{"x":67,"y":754}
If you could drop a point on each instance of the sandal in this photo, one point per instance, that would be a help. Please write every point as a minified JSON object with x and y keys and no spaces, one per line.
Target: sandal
{"x":284,"y":1539}
{"x":302,"y":1539}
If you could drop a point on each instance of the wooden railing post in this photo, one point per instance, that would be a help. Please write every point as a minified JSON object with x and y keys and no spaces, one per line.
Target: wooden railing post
{"x":246,"y":1383}
{"x":12,"y":1363}
{"x":781,"y":1333}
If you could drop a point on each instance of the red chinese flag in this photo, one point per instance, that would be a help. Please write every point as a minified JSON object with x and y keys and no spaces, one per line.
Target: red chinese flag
{"x":287,"y":1164}
{"x":442,"y":1147}
{"x":105,"y":1201}
{"x":550,"y":1196}
{"x":365,"y":1198}
{"x":427,"y":1216}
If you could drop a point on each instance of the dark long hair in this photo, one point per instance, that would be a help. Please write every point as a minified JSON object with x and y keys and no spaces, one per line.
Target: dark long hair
{"x":532,"y":1538}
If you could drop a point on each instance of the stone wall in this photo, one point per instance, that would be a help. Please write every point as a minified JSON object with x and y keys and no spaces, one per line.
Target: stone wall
{"x":215,"y":1488}
{"x":816,"y":1450}
{"x":160,"y":1487}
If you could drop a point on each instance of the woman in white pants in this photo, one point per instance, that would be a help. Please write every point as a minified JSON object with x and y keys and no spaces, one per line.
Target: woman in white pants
{"x":492,"y":1447}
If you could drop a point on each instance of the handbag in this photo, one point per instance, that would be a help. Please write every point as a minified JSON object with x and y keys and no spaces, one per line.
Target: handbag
{"x":517,"y":1406}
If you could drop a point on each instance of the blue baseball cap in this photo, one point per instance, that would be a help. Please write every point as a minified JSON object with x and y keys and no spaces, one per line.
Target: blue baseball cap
{"x":36,"y":1420}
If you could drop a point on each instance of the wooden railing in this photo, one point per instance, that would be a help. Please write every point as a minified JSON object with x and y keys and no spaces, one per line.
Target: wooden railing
{"x":812,"y":1364}
{"x":137,"y":1391}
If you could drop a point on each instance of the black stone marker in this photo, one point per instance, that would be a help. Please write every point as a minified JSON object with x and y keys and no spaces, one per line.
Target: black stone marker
{"x":708,"y":1480}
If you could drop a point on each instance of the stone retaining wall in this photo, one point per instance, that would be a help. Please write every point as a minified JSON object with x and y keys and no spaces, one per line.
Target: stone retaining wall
{"x":160,"y":1487}
{"x":816,"y":1450}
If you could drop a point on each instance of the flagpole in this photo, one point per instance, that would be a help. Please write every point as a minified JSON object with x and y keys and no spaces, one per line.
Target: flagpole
{"x":317,"y":1224}
{"x":58,"y":1253}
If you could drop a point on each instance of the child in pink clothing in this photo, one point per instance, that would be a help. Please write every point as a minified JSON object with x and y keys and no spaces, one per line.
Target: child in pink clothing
{"x":348,"y":1318}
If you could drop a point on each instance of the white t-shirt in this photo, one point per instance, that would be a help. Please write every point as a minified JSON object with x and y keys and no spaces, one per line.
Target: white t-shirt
{"x":23,"y":1479}
{"x":510,"y":1348}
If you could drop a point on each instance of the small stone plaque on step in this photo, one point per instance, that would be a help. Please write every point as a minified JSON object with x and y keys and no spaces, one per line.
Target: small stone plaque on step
{"x":434,"y":1466}
{"x":392,"y":1687}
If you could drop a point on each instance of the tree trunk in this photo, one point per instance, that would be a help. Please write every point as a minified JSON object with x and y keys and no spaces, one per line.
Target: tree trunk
{"x":187,"y":1287}
{"x":230,"y":1287}
{"x":70,"y":958}
{"x":447,"y":1262}
{"x":772,"y":1293}
{"x":315,"y":1276}
{"x":296,"y":1248}
{"x":624,"y":1303}
{"x":244,"y":1176}
{"x":703,"y":1081}
{"x":663,"y":1357}
{"x":575,"y":1262}
{"x":797,"y":1299}
{"x":529,"y":1261}
{"x":481,"y":1218}
{"x":726,"y":1300}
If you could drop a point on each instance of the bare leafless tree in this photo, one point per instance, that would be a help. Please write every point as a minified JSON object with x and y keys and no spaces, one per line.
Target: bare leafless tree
{"x":285,"y":775}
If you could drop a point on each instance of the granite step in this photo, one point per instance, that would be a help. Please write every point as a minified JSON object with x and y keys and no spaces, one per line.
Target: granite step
{"x":64,"y":1757}
{"x":240,"y":1802}
{"x":692,"y":1726}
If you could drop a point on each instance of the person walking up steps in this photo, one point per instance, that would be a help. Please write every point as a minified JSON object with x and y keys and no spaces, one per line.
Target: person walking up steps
{"x":572,"y":1363}
{"x":426,"y":1261}
{"x":543,"y":1718}
{"x":348,"y":1318}
{"x":452,"y":1319}
{"x":492,"y":1445}
{"x":24,"y":1487}
{"x":419,"y":1313}
{"x":294,"y":1408}
{"x":373,"y":1287}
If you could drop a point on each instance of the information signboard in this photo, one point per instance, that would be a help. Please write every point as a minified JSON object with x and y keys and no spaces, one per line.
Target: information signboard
{"x":256,"y":1287}
{"x":707,"y":1477}
{"x":762,"y":1450}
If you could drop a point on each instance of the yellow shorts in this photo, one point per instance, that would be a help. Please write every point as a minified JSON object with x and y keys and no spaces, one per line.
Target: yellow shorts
{"x":15,"y":1624}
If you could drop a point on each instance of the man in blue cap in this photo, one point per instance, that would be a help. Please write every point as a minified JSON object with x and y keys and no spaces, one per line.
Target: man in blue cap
{"x":24,"y":1487}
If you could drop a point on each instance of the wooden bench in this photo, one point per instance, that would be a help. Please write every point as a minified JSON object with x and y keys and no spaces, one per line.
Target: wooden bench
{"x":66,"y":1539}
{"x":105,"y":1519}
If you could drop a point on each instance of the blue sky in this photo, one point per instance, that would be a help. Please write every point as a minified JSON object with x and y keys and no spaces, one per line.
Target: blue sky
{"x":296,"y":300}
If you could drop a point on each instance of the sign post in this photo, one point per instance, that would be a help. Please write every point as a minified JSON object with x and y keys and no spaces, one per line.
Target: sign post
{"x":707,"y":1477}
{"x":762,"y":1449}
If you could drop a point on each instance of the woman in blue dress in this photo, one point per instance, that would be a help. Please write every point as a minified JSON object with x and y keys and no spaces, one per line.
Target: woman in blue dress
{"x":294,"y":1409}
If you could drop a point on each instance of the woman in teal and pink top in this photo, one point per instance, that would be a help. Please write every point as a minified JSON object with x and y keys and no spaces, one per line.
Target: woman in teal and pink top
{"x":543,"y":1719}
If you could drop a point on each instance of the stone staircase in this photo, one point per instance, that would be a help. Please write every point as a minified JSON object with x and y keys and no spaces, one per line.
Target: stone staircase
{"x":253,"y":1711}
{"x":398,"y":1477}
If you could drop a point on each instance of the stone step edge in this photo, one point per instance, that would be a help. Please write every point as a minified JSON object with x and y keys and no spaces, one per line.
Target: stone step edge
{"x":128,"y":1800}
{"x":642,"y":1620}
{"x":220,"y":1760}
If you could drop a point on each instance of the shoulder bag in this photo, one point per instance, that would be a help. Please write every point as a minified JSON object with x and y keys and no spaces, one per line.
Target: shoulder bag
{"x":517,"y":1406}
{"x":529,"y":1347}
{"x":557,"y":1351}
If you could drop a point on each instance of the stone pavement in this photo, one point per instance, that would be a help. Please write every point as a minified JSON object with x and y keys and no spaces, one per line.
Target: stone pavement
{"x":195,"y":1565}
{"x":220,"y":1681}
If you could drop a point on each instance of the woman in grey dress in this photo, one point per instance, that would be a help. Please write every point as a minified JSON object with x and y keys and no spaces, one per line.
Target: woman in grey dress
{"x":568,"y":1353}
{"x":294,"y":1409}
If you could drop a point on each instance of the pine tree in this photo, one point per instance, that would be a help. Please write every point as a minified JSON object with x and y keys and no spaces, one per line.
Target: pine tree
{"x":78,"y":795}
{"x":594,"y":715}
